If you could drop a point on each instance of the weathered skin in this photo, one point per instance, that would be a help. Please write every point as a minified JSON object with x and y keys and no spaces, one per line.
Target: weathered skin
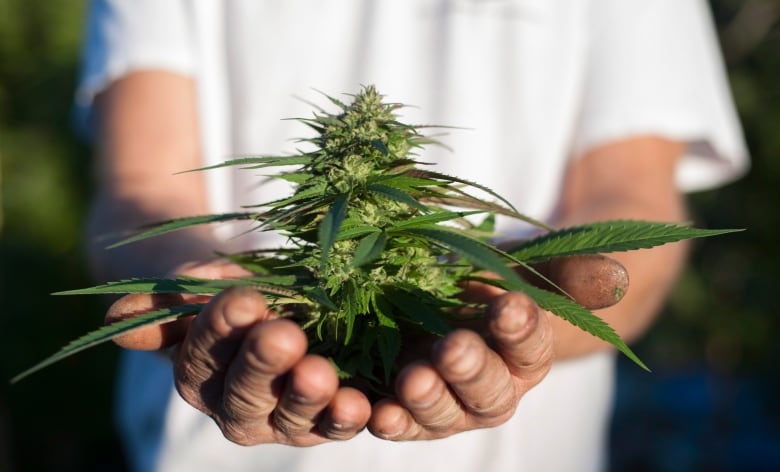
{"x":594,"y":281}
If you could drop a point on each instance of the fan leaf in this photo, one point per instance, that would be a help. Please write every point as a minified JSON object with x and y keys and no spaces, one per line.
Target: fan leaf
{"x":330,"y":225}
{"x":108,"y":332}
{"x":607,"y":236}
{"x":181,"y":223}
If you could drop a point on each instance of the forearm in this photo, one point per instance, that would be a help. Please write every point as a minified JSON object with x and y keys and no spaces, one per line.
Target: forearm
{"x":147,"y":133}
{"x":638,"y":191}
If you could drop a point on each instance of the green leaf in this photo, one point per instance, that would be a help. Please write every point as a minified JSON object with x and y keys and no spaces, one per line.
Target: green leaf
{"x":413,"y":309}
{"x":188,"y":285}
{"x":258,"y":162}
{"x":607,"y":236}
{"x":369,"y":248}
{"x":318,"y":295}
{"x":111,"y":331}
{"x":181,"y":223}
{"x":578,"y":316}
{"x":448,"y":178}
{"x":355,"y":231}
{"x":406,"y":182}
{"x":488,"y":225}
{"x":153,"y":285}
{"x":330,"y":225}
{"x":278,"y":217}
{"x":293,"y":177}
{"x":398,"y":195}
{"x":453,"y":197}
{"x":476,"y":252}
{"x":316,"y":190}
{"x":431,"y":218}
{"x":389,"y":345}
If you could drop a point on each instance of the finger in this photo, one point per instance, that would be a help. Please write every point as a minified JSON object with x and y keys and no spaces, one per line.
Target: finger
{"x":521,"y":336}
{"x":212,"y":341}
{"x":474,"y":291}
{"x":592,"y":280}
{"x":255,"y":381}
{"x":392,"y":421}
{"x":311,"y":386}
{"x":214,"y":269}
{"x":424,"y":393}
{"x":347,"y":414}
{"x":159,"y":336}
{"x":466,"y":387}
{"x":151,"y":337}
{"x":478,"y":378}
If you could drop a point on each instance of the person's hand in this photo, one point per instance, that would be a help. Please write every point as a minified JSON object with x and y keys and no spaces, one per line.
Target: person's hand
{"x":475,"y":377}
{"x":247,"y":369}
{"x":471,"y":380}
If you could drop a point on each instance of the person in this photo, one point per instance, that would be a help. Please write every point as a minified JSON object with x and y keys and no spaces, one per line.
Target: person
{"x":576,"y":111}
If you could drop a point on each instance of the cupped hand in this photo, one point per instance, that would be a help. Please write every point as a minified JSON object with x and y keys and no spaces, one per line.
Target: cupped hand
{"x":471,"y":380}
{"x":247,"y":369}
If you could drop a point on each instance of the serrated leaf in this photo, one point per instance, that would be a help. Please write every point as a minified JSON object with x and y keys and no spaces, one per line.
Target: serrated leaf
{"x":152,"y":285}
{"x":293,"y":177}
{"x":257,"y":162}
{"x":189,"y":285}
{"x":388,"y":344}
{"x":398,"y":195}
{"x":318,"y":295}
{"x":488,"y":225}
{"x":448,"y":178}
{"x":405,"y":181}
{"x":431,"y":218}
{"x":278,"y":217}
{"x":316,"y":190}
{"x":607,"y":236}
{"x":181,"y":223}
{"x":572,"y":312}
{"x":412,"y":309}
{"x":111,"y":331}
{"x":369,"y":248}
{"x":476,"y":252}
{"x":355,"y":231}
{"x":464,"y":200}
{"x":330,"y":225}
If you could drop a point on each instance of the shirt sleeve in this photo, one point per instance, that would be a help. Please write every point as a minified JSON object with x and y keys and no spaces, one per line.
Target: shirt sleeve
{"x":123,"y":36}
{"x":656,"y":68}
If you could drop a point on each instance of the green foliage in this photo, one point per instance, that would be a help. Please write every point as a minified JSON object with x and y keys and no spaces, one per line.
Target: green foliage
{"x":607,"y":236}
{"x":378,"y":253}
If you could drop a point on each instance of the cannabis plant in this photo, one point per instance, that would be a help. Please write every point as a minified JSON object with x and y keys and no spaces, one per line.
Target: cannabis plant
{"x":380,"y":245}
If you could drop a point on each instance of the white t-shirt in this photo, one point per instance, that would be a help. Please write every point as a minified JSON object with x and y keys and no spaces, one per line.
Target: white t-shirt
{"x":533,"y":84}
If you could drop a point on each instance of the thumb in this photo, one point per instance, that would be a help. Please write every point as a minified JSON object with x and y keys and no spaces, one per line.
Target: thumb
{"x":155,"y":336}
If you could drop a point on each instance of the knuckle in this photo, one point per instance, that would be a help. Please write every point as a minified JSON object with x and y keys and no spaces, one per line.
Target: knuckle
{"x":339,"y":432}
{"x":444,"y":425}
{"x":188,"y":372}
{"x":496,"y":406}
{"x":290,"y":424}
{"x":236,"y":433}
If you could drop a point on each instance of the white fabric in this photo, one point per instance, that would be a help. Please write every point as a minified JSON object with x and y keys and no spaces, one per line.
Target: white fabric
{"x":533,"y":82}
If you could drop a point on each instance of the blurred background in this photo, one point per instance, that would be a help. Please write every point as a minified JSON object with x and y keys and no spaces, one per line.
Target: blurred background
{"x":710,"y":404}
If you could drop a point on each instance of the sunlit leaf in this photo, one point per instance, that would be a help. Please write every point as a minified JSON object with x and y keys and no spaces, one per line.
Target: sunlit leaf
{"x":111,"y":331}
{"x":608,"y":236}
{"x":181,"y":223}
